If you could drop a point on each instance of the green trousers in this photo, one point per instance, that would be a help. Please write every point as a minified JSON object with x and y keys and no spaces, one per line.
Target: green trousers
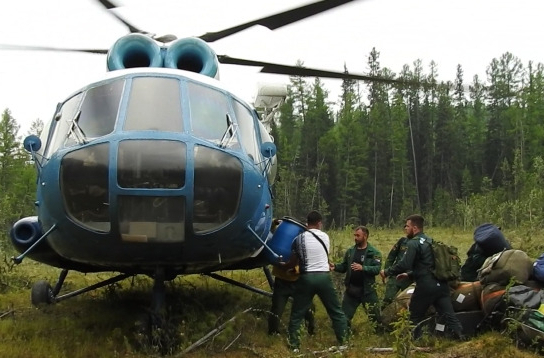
{"x":307,"y":286}
{"x":283,"y":291}
{"x":429,"y":292}
{"x":370,"y":302}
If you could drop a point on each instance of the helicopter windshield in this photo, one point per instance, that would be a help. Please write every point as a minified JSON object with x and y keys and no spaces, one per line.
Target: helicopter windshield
{"x":87,"y":115}
{"x":209,"y":109}
{"x":154,"y":104}
{"x":247,"y":130}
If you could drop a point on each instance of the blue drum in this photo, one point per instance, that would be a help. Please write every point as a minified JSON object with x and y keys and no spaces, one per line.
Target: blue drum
{"x":282,"y":240}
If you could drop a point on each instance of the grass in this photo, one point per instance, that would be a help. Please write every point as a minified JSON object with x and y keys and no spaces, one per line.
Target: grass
{"x":109,"y":322}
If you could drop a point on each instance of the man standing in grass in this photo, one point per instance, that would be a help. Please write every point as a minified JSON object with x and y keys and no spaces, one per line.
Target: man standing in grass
{"x":418,"y":263}
{"x":311,"y":251}
{"x":362,"y":262}
{"x":393,"y":286}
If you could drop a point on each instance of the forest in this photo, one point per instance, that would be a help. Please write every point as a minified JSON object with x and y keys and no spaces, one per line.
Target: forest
{"x":459,"y":153}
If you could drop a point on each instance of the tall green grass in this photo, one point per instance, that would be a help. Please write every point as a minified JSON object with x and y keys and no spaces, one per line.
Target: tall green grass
{"x":112,"y":321}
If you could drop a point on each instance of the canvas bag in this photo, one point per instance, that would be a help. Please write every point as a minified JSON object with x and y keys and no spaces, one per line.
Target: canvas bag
{"x":467,"y":296}
{"x":505,"y":265}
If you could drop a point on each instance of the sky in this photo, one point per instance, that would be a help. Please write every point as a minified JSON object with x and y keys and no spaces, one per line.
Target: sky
{"x":467,"y":32}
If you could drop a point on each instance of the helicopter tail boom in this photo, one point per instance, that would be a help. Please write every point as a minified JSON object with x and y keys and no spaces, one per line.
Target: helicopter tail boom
{"x":137,"y":50}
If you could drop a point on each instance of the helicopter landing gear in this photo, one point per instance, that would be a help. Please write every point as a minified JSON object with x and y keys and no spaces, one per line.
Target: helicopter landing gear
{"x":42,"y":294}
{"x":158,"y":294}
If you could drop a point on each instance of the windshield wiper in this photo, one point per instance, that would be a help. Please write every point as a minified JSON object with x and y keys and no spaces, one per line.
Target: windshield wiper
{"x":78,"y":132}
{"x":230,"y":131}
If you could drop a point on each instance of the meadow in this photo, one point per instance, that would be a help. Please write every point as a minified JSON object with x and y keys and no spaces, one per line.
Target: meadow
{"x":206,"y":317}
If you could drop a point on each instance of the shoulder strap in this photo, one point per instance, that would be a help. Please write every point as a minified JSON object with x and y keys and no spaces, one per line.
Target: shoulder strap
{"x":320,"y":241}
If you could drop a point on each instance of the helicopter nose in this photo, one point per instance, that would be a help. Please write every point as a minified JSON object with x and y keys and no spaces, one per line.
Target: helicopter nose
{"x":155,"y":188}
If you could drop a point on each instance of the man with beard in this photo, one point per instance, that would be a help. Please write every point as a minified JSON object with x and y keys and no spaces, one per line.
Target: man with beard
{"x":362,"y":262}
{"x":417,"y":264}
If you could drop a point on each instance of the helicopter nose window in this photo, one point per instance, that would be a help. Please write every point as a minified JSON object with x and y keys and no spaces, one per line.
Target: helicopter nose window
{"x":154,"y":104}
{"x":152,"y":218}
{"x":209,"y":109}
{"x":99,"y":109}
{"x":151,"y":164}
{"x":218,"y":186}
{"x":247,"y":130}
{"x":84,"y":186}
{"x":61,"y":124}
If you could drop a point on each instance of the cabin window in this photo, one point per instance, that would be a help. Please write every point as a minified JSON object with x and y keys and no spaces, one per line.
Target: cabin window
{"x":84,"y":184}
{"x":151,"y":219}
{"x":209,"y":109}
{"x":246,"y":128}
{"x":99,"y":110}
{"x":151,"y":164}
{"x":62,"y":123}
{"x":217,"y":189}
{"x":154,"y":104}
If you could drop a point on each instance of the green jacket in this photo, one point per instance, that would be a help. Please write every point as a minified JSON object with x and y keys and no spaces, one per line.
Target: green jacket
{"x":397,"y":252}
{"x":418,"y":261}
{"x":371,"y":266}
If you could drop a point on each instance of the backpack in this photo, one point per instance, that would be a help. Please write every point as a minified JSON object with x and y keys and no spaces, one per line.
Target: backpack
{"x":447,"y":263}
{"x":475,"y":259}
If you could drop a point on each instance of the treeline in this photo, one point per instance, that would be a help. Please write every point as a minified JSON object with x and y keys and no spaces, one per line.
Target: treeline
{"x":460,"y":155}
{"x":17,"y":174}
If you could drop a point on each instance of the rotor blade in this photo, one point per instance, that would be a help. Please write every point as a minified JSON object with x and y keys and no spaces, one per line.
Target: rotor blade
{"x":44,"y":48}
{"x":109,"y":5}
{"x":303,"y":71}
{"x":278,"y":20}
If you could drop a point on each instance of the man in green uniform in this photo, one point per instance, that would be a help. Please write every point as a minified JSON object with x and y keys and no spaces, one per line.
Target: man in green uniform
{"x":362,"y":262}
{"x":417,"y":263}
{"x":392,"y":286}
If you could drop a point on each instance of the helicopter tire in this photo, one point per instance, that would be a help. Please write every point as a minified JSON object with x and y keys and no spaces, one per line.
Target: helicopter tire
{"x":42,"y":294}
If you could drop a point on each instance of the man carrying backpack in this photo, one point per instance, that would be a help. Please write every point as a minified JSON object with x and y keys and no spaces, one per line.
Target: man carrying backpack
{"x":418,"y":263}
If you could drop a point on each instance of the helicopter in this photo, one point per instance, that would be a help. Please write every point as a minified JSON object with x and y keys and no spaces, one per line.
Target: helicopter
{"x":158,"y":169}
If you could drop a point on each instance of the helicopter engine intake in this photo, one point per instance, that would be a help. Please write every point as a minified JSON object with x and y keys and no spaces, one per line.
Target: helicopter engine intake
{"x":189,"y":54}
{"x":194,"y":55}
{"x":134,"y":50}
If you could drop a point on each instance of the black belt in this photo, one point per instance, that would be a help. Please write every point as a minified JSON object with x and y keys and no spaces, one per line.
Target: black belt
{"x":309,"y":272}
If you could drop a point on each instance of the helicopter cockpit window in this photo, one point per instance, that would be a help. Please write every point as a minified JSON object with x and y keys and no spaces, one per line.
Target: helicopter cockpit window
{"x":99,"y":109}
{"x":154,"y":104}
{"x":151,"y":164}
{"x":209,"y":109}
{"x":246,"y":127}
{"x":217,"y":189}
{"x":62,"y":123}
{"x":84,"y":184}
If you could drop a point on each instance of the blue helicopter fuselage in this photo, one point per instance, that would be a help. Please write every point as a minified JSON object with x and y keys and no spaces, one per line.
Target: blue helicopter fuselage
{"x":154,"y":167}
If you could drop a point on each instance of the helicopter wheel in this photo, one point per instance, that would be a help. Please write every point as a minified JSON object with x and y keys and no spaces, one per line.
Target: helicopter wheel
{"x":42,"y":293}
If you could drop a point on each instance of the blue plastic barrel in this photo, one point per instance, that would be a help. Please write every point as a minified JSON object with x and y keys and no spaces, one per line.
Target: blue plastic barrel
{"x":282,"y":240}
